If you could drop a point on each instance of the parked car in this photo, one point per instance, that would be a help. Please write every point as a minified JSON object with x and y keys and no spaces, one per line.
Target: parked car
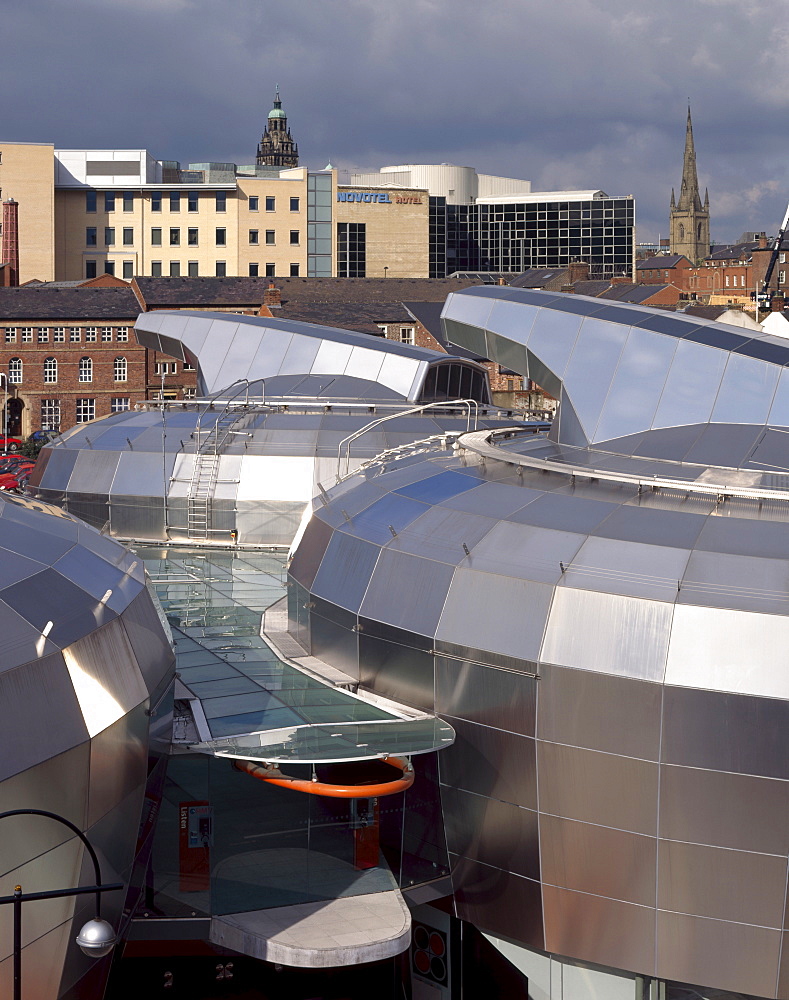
{"x":43,"y":437}
{"x":11,"y":444}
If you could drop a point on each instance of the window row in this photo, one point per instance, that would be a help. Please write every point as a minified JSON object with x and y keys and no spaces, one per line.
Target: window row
{"x":174,"y":237}
{"x":271,"y":203}
{"x":271,"y":237}
{"x":51,"y":410}
{"x":111,"y":198}
{"x":294,"y":270}
{"x":60,"y":334}
{"x":120,"y":370}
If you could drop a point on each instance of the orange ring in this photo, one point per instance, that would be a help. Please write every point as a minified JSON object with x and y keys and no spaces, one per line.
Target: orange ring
{"x":370,"y":791}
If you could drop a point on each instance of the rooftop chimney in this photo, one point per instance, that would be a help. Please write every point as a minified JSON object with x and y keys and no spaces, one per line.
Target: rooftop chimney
{"x":272,"y":297}
{"x":777,"y":303}
{"x":762,"y":242}
{"x":9,"y":251}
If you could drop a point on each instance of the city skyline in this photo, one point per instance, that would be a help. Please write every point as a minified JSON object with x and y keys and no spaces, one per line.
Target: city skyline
{"x":595,"y":98}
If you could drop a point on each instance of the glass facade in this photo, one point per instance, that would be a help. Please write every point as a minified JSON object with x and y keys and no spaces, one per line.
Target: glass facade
{"x":319,"y":228}
{"x":351,"y":250}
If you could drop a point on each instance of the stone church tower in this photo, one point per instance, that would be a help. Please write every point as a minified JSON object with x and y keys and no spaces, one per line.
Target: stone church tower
{"x":689,"y":220}
{"x":276,"y":147}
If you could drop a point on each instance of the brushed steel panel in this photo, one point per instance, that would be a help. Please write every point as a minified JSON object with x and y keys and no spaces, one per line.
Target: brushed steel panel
{"x":494,"y":833}
{"x":783,"y":975}
{"x":725,"y":884}
{"x":615,"y":714}
{"x":598,"y":788}
{"x":725,"y":732}
{"x":490,"y":762}
{"x":596,"y":354}
{"x":603,"y":931}
{"x":496,"y":613}
{"x":614,"y":566}
{"x":40,"y":715}
{"x":498,"y":902}
{"x":486,"y":695}
{"x":396,"y":671}
{"x":118,"y":762}
{"x":594,"y":859}
{"x":608,"y":633}
{"x":724,"y":809}
{"x":729,"y":956}
{"x":726,"y":650}
{"x":407,"y":591}
{"x":525,"y":552}
{"x":345,"y":570}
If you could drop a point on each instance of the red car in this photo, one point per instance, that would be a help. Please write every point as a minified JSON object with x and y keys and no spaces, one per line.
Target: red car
{"x":8,"y":481}
{"x":9,"y":443}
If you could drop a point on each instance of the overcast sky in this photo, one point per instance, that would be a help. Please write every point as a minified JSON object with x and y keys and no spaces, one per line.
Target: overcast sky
{"x":565,"y":93}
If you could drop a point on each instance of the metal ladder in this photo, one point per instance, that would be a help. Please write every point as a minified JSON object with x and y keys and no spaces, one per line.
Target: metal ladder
{"x":205,"y":473}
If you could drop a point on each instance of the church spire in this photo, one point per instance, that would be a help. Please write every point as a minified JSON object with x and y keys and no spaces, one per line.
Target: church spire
{"x":689,"y":220}
{"x":689,"y":190}
{"x":276,"y":147}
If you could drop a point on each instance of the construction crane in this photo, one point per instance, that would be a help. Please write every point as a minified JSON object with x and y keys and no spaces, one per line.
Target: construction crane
{"x":764,"y":296}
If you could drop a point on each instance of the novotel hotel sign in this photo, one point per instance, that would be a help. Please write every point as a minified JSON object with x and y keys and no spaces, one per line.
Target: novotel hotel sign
{"x":379,"y":197}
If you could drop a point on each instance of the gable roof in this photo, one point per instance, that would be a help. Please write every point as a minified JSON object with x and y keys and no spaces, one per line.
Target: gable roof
{"x":70,"y":303}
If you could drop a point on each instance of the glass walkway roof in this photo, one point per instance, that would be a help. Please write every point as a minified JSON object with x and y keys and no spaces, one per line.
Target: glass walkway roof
{"x":254,"y":705}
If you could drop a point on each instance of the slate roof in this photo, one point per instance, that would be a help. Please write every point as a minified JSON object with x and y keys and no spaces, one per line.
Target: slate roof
{"x":48,"y":303}
{"x":633,"y":293}
{"x":538,"y":277}
{"x":661,"y":262}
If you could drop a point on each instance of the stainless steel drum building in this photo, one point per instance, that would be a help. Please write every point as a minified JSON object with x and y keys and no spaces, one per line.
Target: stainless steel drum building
{"x":86,"y":678}
{"x":284,"y":403}
{"x":603,"y":617}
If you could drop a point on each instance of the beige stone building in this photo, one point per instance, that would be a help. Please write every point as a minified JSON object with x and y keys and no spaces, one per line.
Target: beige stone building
{"x":27,"y":175}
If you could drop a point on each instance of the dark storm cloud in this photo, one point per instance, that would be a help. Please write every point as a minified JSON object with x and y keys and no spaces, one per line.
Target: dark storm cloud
{"x":574,"y":93}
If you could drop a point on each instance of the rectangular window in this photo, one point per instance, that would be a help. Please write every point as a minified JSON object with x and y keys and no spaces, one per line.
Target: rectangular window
{"x":295,"y":237}
{"x":188,"y":367}
{"x":75,"y":335}
{"x":294,"y":204}
{"x":407,"y":335}
{"x":109,"y":201}
{"x":10,"y":335}
{"x":90,"y":236}
{"x":109,"y":236}
{"x":120,"y":404}
{"x":128,"y":201}
{"x":27,"y":334}
{"x":175,"y":269}
{"x":156,"y":201}
{"x":156,"y":269}
{"x":270,"y":237}
{"x":221,"y":201}
{"x":91,"y":334}
{"x":106,"y":334}
{"x":43,"y":335}
{"x":254,"y":236}
{"x":271,"y":271}
{"x":59,"y":335}
{"x":190,"y":392}
{"x":253,"y":203}
{"x":175,"y":237}
{"x":128,"y":269}
{"x":156,"y":237}
{"x":128,"y":236}
{"x":351,"y":250}
{"x":781,"y":258}
{"x":109,"y":267}
{"x":192,"y":269}
{"x":165,"y":368}
{"x":294,"y":270}
{"x":90,"y":201}
{"x":271,"y":203}
{"x":221,"y":237}
{"x":221,"y":269}
{"x":122,"y":334}
{"x":254,"y":270}
{"x":90,"y":268}
{"x":781,"y":277}
{"x":191,"y":237}
{"x":175,"y":201}
{"x":50,"y":414}
{"x":86,"y":410}
{"x":192,"y":201}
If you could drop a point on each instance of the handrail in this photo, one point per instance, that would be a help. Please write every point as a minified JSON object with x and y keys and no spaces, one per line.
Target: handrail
{"x":482,"y":443}
{"x":348,"y":441}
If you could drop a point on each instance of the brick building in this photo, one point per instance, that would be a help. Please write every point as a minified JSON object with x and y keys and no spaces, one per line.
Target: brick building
{"x":70,"y":355}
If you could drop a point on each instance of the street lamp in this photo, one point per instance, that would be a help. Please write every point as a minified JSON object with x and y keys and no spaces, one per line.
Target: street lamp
{"x":97,"y":937}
